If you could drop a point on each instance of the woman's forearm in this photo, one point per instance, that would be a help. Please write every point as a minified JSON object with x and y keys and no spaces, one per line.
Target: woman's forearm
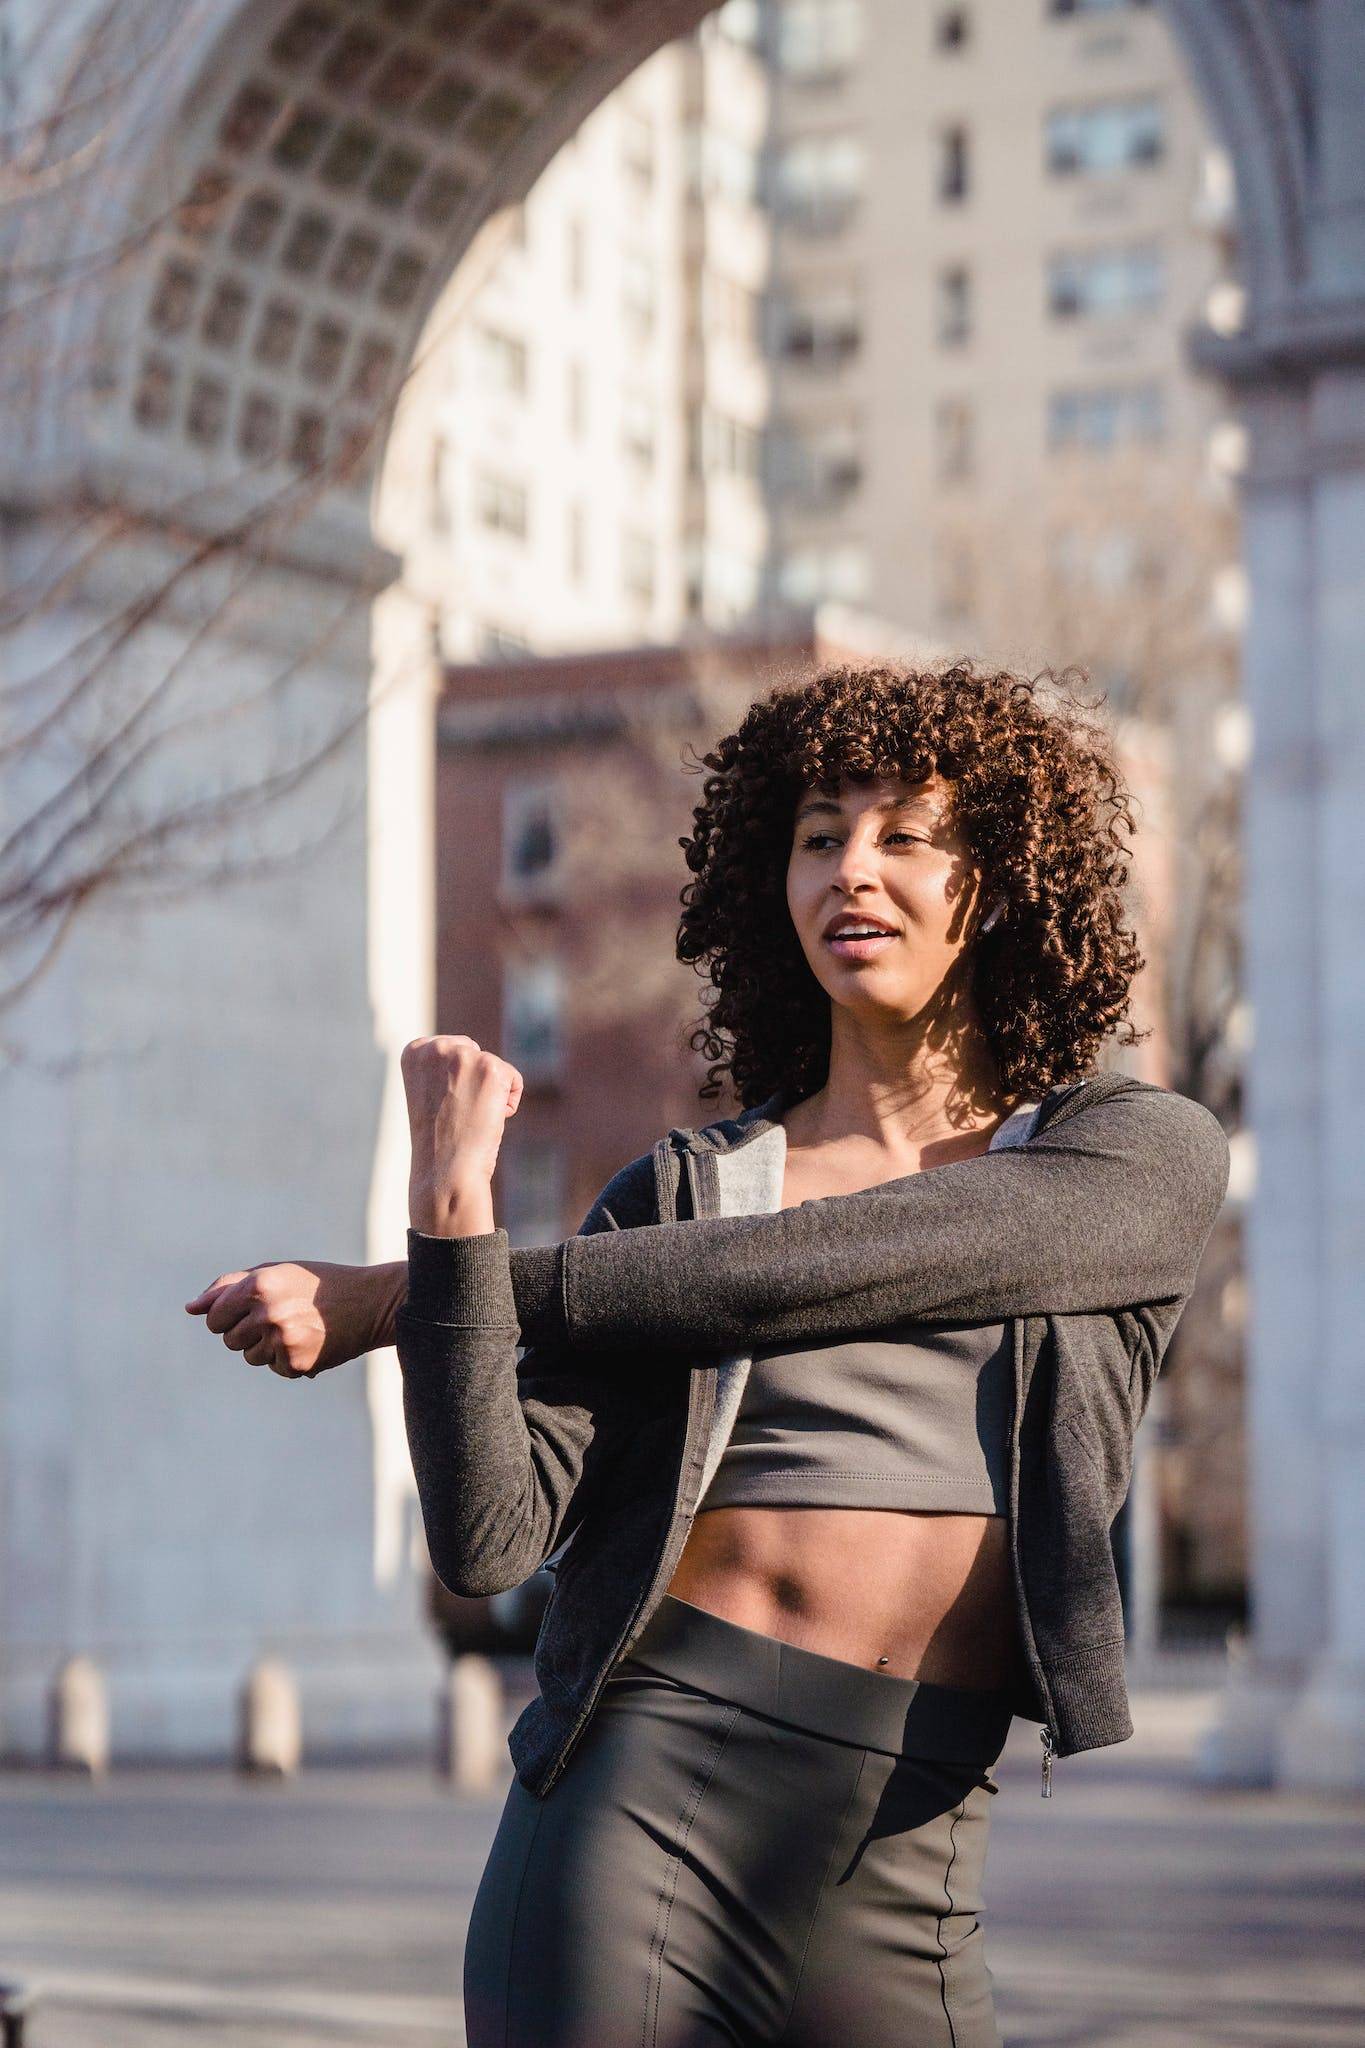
{"x":497,"y":1469}
{"x":505,"y":1448}
{"x":1113,"y":1209}
{"x":390,"y":1286}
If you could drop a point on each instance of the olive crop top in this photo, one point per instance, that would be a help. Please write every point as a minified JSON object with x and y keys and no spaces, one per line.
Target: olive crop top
{"x":915,"y":1415}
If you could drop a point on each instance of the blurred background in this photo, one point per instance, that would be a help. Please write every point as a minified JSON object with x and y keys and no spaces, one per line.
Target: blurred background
{"x":428,"y":425}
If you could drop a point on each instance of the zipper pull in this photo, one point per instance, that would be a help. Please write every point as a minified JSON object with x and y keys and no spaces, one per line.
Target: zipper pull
{"x":1048,"y":1751}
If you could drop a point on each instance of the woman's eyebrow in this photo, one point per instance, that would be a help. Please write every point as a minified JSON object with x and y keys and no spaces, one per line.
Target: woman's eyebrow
{"x":826,"y":804}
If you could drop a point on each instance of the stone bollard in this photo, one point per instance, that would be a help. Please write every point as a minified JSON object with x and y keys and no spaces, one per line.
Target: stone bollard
{"x":471,"y":1739}
{"x":78,"y":1720}
{"x":16,"y":2003}
{"x":269,"y":1725}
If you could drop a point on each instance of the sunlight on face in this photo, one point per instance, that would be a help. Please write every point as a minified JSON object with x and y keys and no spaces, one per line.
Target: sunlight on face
{"x":885,"y":851}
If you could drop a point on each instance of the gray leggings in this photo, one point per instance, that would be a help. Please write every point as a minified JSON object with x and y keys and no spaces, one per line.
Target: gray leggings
{"x":751,"y":1844}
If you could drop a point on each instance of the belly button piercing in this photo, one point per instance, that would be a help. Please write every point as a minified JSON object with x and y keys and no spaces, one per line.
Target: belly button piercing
{"x":883,"y":1660}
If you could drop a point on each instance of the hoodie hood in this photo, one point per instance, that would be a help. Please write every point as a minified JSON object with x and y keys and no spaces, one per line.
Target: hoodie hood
{"x":728,"y":1133}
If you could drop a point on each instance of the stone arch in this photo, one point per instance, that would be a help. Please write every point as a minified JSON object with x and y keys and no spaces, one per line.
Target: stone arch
{"x":283,"y":190}
{"x":300,"y":178}
{"x":1246,"y":59}
{"x":303,"y":177}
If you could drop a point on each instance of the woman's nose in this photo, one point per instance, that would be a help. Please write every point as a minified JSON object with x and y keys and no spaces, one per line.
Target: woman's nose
{"x":857,"y":860}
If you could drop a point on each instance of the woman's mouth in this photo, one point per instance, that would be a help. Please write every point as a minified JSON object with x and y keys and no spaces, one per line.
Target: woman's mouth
{"x":852,"y":946}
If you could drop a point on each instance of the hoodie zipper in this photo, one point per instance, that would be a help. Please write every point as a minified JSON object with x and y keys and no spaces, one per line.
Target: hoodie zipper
{"x":1049,"y":1751}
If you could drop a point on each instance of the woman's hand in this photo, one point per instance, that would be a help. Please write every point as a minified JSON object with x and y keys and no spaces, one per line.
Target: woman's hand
{"x":303,"y":1319}
{"x":459,"y":1100}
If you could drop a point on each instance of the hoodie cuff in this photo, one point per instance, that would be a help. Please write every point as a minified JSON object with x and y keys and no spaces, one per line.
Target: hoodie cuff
{"x":538,"y":1291}
{"x":464,"y":1281}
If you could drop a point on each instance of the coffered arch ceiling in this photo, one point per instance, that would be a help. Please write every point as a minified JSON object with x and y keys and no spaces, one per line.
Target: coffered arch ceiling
{"x":310,"y":172}
{"x":313,"y":188}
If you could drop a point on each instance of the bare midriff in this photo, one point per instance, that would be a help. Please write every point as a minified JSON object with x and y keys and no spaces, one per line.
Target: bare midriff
{"x":913,"y":1593}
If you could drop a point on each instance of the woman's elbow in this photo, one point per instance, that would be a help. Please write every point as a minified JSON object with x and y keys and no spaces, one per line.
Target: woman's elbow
{"x":477,"y":1572}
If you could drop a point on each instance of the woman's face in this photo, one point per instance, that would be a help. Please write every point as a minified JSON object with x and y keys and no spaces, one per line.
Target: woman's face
{"x":883,"y":852}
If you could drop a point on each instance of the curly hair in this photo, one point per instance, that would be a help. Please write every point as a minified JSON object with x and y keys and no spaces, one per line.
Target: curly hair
{"x":1038,"y":799}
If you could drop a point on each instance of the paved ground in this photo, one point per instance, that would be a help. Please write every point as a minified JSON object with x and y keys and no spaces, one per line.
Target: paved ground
{"x":1133,"y":1910}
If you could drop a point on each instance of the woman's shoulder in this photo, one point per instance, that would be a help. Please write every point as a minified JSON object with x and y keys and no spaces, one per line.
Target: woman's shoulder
{"x":628,"y":1199}
{"x":631,"y":1196}
{"x":1141,"y":1117}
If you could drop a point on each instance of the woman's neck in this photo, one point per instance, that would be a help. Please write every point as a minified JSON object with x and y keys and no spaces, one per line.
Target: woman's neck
{"x":902,"y":1114}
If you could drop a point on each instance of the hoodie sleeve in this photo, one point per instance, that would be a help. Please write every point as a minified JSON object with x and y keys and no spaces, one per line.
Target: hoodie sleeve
{"x":506,"y":1451}
{"x":1109,"y":1208}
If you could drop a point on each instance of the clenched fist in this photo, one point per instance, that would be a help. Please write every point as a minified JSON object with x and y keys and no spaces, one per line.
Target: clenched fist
{"x":302,"y":1319}
{"x":459,"y":1100}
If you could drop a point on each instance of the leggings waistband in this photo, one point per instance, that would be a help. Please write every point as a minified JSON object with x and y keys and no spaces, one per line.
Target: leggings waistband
{"x":824,"y":1695}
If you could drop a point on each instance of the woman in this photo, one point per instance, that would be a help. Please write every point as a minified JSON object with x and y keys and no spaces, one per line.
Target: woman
{"x":839,"y":1458}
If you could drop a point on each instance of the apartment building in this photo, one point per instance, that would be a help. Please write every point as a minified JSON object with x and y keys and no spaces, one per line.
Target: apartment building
{"x":594,"y":466}
{"x":878,"y":302}
{"x":992,"y":223}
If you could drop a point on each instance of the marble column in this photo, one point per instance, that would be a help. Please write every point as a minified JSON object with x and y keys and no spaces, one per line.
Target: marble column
{"x":1294,"y":1710}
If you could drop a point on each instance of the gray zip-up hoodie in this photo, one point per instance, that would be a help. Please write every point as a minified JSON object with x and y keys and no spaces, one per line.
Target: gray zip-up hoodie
{"x":1083,"y":1227}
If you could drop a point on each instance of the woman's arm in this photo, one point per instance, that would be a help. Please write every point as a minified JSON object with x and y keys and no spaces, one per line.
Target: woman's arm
{"x":506,"y":1452}
{"x":1111,"y":1208}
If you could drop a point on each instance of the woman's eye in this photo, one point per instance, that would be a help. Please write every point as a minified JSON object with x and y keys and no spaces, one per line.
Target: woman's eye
{"x":814,"y":838}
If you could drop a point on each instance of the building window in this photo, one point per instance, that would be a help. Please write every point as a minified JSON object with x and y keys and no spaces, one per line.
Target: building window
{"x":720,"y":166}
{"x":532,"y":839}
{"x":638,"y":428}
{"x":693,"y":430}
{"x":694,"y":575}
{"x":1104,"y":417}
{"x":533,"y":1017}
{"x":577,"y":531}
{"x":954,"y":164}
{"x":442,"y":487}
{"x":576,"y":258}
{"x":955,"y":440}
{"x":1113,"y":135}
{"x":818,"y":40}
{"x":729,"y":447}
{"x":818,"y":182}
{"x":816,"y":463}
{"x":816,"y":575}
{"x":532,"y":1175}
{"x":731,"y":310}
{"x":576,"y":400}
{"x":502,"y":361}
{"x":639,"y":292}
{"x":822,"y":331}
{"x":637,"y":566}
{"x":501,"y":505}
{"x":953,"y":306}
{"x":637,"y":148}
{"x":952,"y":30}
{"x":1105,"y":283}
